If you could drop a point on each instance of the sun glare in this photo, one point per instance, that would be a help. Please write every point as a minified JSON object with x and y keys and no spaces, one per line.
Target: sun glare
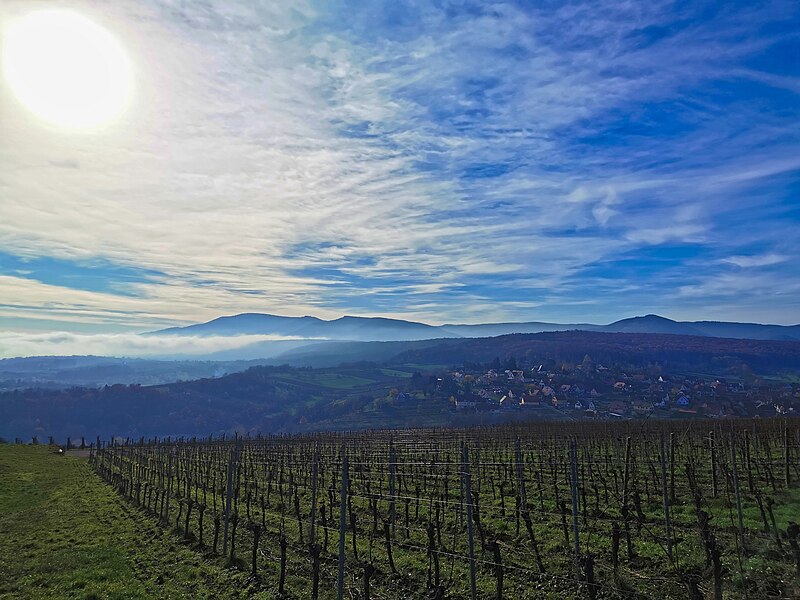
{"x":66,"y":69}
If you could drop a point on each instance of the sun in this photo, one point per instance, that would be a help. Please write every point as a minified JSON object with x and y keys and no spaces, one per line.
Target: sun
{"x":66,"y":69}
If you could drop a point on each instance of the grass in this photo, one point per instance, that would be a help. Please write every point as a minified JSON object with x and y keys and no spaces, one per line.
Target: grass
{"x":65,"y":534}
{"x":329,"y":380}
{"x":397,"y":374}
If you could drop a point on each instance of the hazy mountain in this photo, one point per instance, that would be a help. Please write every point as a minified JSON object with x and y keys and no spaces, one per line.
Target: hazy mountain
{"x":383,"y":329}
{"x":657,"y":324}
{"x":493,"y":329}
{"x":95,"y":371}
{"x":331,"y":354}
{"x":250,"y":324}
{"x":343,"y":328}
{"x":651,"y":324}
{"x":751,"y":331}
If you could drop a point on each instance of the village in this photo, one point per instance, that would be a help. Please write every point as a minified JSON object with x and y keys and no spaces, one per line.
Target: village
{"x":589,"y":390}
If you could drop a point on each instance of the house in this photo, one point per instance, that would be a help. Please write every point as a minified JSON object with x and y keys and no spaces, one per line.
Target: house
{"x":594,"y":393}
{"x":466,"y":404}
{"x":618,"y":407}
{"x":578,"y":405}
{"x":719,"y":386}
{"x":619,"y":385}
{"x":509,"y":400}
{"x":531,"y":399}
{"x":682,"y":401}
{"x":591,"y":406}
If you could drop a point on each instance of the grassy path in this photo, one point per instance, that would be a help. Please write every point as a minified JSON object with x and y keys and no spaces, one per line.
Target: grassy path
{"x":64,"y":534}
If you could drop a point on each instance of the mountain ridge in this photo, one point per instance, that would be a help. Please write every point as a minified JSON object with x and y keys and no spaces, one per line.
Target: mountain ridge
{"x":355,"y":328}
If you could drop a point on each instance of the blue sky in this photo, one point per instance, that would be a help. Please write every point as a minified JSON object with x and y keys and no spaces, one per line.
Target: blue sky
{"x":437,"y":161}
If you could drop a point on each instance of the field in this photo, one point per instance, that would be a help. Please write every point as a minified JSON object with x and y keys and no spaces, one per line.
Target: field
{"x":65,"y":534}
{"x":327,"y":379}
{"x":624,"y":510}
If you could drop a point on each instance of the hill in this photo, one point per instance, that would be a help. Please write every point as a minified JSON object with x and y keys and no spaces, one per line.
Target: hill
{"x":286,"y":398}
{"x":343,"y":328}
{"x":718,"y":356}
{"x":93,"y":371}
{"x":351,"y":328}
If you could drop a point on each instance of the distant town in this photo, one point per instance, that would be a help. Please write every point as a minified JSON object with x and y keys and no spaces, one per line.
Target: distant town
{"x":590,"y":390}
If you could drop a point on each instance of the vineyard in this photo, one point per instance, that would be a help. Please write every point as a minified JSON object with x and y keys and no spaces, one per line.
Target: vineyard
{"x":649,"y":509}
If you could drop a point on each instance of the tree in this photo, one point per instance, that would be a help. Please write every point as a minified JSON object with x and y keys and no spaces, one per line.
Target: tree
{"x":416,"y":381}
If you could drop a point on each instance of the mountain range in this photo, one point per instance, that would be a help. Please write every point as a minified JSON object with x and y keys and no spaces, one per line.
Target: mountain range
{"x":379,"y":329}
{"x":310,"y":341}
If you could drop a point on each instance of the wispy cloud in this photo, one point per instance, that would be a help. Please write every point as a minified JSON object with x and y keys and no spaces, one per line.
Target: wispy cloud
{"x":763,"y":260}
{"x":480,"y":162}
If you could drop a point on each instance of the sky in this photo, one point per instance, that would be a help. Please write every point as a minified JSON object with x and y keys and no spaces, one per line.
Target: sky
{"x":434,"y":161}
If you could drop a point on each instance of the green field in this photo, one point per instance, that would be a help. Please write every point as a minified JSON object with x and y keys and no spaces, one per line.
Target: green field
{"x":65,"y":534}
{"x":326,"y":379}
{"x":616,"y":465}
{"x":396,"y":373}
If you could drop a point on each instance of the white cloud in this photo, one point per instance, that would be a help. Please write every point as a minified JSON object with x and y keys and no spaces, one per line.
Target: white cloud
{"x":237,"y":178}
{"x":14,"y":344}
{"x":763,"y":260}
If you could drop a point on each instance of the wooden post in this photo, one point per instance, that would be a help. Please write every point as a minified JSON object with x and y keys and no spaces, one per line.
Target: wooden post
{"x":282,"y":578}
{"x":667,"y":522}
{"x":625,"y":507}
{"x":573,"y":459}
{"x":316,"y":549}
{"x":387,"y":535}
{"x":737,"y":491}
{"x":672,"y":467}
{"x":627,"y":471}
{"x":747,"y":462}
{"x":470,"y":538}
{"x":523,"y":495}
{"x":494,"y":546}
{"x":234,"y":459}
{"x":169,"y":486}
{"x":342,"y":527}
{"x":713,"y":464}
{"x":314,"y":473}
{"x":392,"y":509}
{"x":787,"y":476}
